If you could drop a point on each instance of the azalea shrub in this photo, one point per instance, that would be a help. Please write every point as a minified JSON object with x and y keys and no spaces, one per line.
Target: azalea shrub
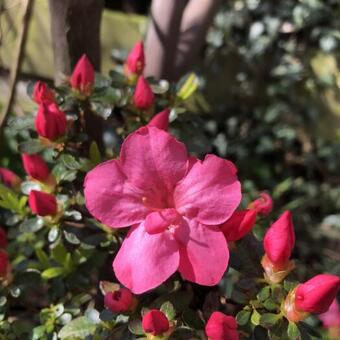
{"x":115,"y":229}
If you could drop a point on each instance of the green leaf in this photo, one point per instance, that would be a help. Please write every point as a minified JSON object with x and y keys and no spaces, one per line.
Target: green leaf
{"x":59,"y":253}
{"x":31,"y":147}
{"x":70,"y":162}
{"x":78,"y":328}
{"x":289,"y":285}
{"x":293,"y":331}
{"x":243,"y":317}
{"x":264,"y":294}
{"x":168,"y":309}
{"x":32,"y":225}
{"x":51,"y":273}
{"x":189,"y":87}
{"x":270,"y":305}
{"x":94,"y":152}
{"x":269,"y":320}
{"x":255,"y":317}
{"x":42,"y":257}
{"x":135,"y":327}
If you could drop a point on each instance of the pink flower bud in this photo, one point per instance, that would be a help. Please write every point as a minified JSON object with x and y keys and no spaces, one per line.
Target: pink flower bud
{"x":331,"y":318}
{"x":263,"y":205}
{"x":9,"y":178}
{"x":143,"y":97}
{"x":239,"y":224}
{"x":161,"y":120}
{"x":221,"y":327}
{"x":279,"y":241}
{"x":3,"y":263}
{"x":42,"y":203}
{"x":119,"y":301}
{"x":135,"y":61}
{"x":155,"y":322}
{"x":317,"y":294}
{"x":35,"y":167}
{"x":42,"y":93}
{"x":82,"y":78}
{"x":50,"y":122}
{"x":3,"y":238}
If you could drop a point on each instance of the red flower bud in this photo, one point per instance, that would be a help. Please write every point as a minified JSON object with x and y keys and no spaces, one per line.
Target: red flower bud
{"x":155,"y":322}
{"x":119,"y":301}
{"x":317,"y":294}
{"x":263,"y":205}
{"x":3,"y":263}
{"x":35,"y":167}
{"x":9,"y":178}
{"x":3,"y":238}
{"x":161,"y":120}
{"x":42,"y":93}
{"x":143,"y":97}
{"x":50,"y":122}
{"x":135,"y":61}
{"x":221,"y":327}
{"x":82,"y":78}
{"x":279,"y":241}
{"x":331,"y":318}
{"x":42,"y":203}
{"x":239,"y":224}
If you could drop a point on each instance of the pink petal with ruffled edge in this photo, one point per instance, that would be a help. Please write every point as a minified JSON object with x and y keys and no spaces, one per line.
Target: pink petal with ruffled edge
{"x":210,"y":192}
{"x":145,"y":261}
{"x":111,"y":199}
{"x":204,"y":253}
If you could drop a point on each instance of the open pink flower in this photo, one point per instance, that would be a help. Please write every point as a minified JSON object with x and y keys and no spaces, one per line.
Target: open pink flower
{"x":175,"y":204}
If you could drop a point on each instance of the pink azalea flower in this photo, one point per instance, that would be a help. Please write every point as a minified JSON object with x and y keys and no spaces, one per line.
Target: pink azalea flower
{"x":175,"y":204}
{"x":331,"y":318}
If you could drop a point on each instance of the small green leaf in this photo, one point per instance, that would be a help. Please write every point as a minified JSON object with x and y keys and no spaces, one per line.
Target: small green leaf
{"x":293,"y":331}
{"x":94,"y":152}
{"x":255,"y":318}
{"x":289,"y":285}
{"x":42,"y":257}
{"x":31,"y":146}
{"x":70,"y":162}
{"x":264,"y":294}
{"x":168,"y":309}
{"x":189,"y":87}
{"x":269,"y":320}
{"x":243,"y":317}
{"x":270,"y":305}
{"x":78,"y":328}
{"x":59,"y":253}
{"x":51,"y":273}
{"x":135,"y":327}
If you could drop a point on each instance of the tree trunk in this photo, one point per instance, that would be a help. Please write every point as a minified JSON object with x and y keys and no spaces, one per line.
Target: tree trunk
{"x":75,"y":27}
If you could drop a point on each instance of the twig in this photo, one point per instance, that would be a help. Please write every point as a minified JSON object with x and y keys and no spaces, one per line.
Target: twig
{"x":13,"y":77}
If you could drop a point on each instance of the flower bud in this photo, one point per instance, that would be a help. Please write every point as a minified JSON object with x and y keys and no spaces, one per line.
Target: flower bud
{"x":42,"y":203}
{"x":161,"y":120}
{"x":42,"y":93}
{"x":35,"y":167}
{"x":50,"y":122}
{"x":119,"y":301}
{"x":263,"y":205}
{"x":317,"y":294}
{"x":82,"y":78}
{"x":221,"y":327}
{"x":135,"y":61}
{"x":3,"y":264}
{"x":239,"y":224}
{"x":143,"y":97}
{"x":279,"y":241}
{"x":331,"y":318}
{"x":3,"y":238}
{"x":9,"y":178}
{"x":155,"y":322}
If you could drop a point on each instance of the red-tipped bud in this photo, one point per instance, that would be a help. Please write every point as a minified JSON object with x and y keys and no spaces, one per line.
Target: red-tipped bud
{"x":135,"y":61}
{"x":263,"y":205}
{"x":317,"y":294}
{"x":239,"y":224}
{"x":35,"y":167}
{"x":331,"y":318}
{"x":143,"y":97}
{"x":9,"y":178}
{"x":155,"y":322}
{"x":82,"y":78}
{"x":50,"y":122}
{"x":161,"y":120}
{"x":3,"y":238}
{"x":119,"y":301}
{"x":3,"y":263}
{"x":221,"y":327}
{"x":42,"y":203}
{"x":279,"y":241}
{"x":42,"y":93}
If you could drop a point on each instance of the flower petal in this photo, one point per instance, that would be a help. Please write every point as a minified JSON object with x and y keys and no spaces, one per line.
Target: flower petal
{"x":145,"y":261}
{"x":110,"y":198}
{"x":210,"y":192}
{"x":155,"y":161}
{"x":204,"y":253}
